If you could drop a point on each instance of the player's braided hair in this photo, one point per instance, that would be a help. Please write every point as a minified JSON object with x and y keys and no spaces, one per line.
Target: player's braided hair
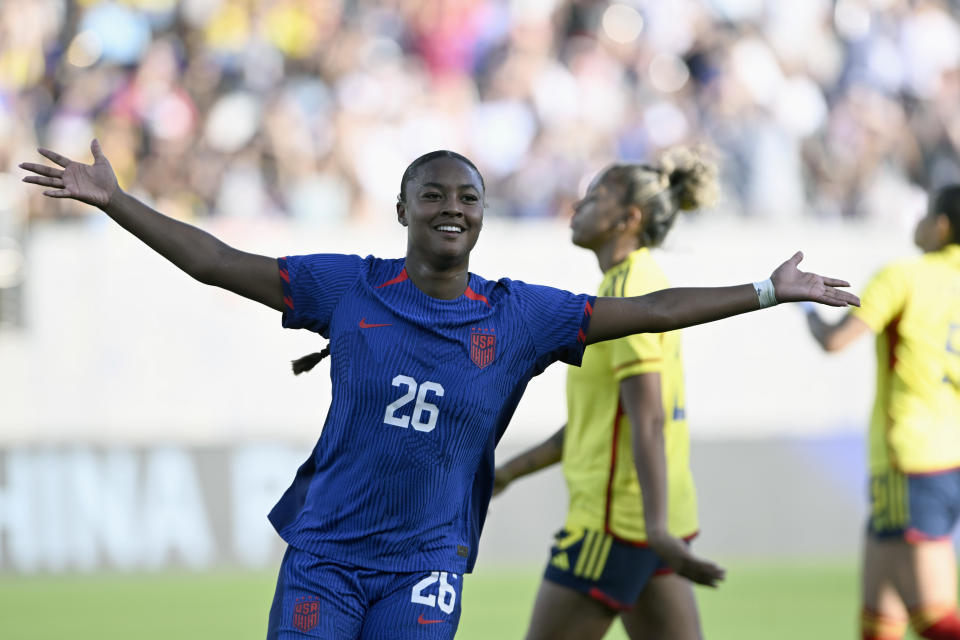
{"x":682,"y":181}
{"x":946,"y":201}
{"x":301,"y":365}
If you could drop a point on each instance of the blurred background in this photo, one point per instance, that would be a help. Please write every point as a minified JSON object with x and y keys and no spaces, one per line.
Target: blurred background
{"x":147,"y":423}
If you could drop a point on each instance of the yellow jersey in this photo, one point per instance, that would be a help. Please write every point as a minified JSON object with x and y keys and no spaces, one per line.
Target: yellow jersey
{"x":597,"y":446}
{"x":914,"y":308}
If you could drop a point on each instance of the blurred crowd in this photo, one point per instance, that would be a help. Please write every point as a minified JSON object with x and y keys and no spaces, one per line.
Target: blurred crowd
{"x":311,"y":109}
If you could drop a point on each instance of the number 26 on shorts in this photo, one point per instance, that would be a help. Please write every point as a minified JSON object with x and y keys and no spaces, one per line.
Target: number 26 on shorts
{"x":446,"y":598}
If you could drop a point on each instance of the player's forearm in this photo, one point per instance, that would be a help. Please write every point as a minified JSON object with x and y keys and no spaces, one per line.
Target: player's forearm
{"x":545,"y":454}
{"x":650,"y":461}
{"x":819,"y":329}
{"x":668,"y":309}
{"x":192,"y":250}
{"x":836,"y":336}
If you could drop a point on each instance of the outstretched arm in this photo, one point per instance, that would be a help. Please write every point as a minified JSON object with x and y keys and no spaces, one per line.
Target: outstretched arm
{"x":834,"y":337}
{"x":539,"y":457}
{"x":677,"y":308}
{"x":196,"y":252}
{"x":643,"y":402}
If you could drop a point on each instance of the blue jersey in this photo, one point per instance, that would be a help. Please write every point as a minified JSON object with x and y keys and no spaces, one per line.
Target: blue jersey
{"x":423,"y":389}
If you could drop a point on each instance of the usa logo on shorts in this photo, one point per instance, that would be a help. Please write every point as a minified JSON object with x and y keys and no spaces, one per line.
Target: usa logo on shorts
{"x":483,"y":346}
{"x":306,"y":613}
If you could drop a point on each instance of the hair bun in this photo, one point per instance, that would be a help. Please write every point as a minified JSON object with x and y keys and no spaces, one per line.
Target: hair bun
{"x":693,"y":179}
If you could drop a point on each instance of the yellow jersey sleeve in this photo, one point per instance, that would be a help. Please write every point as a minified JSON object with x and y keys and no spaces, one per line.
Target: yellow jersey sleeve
{"x":641,"y":352}
{"x":637,"y":354}
{"x":884,"y":297}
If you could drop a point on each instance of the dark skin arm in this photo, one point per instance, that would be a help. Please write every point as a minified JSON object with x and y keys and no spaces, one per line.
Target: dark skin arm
{"x":677,"y":308}
{"x":642,"y":400}
{"x":194,"y":251}
{"x":210,"y":261}
{"x":836,"y":336}
{"x":543,"y":455}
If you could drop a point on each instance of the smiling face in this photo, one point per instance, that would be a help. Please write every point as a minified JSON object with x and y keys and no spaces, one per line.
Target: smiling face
{"x":442,"y":208}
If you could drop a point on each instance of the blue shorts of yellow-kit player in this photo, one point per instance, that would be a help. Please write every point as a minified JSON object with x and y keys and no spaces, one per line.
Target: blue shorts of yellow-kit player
{"x":319,"y":598}
{"x":915,"y":507}
{"x":610,"y":570}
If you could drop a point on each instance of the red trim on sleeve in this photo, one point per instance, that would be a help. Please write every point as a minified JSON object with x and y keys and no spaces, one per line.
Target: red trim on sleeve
{"x":588,"y":309}
{"x":400,"y":278}
{"x":636,"y":362}
{"x":285,"y":275}
{"x":473,"y":295}
{"x":287,"y":300}
{"x":581,"y":336}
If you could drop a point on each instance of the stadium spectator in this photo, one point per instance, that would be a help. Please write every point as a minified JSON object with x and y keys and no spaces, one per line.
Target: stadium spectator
{"x":835,"y":109}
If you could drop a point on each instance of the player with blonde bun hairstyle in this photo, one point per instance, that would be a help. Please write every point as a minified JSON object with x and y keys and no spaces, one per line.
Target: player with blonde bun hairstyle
{"x":625,"y":448}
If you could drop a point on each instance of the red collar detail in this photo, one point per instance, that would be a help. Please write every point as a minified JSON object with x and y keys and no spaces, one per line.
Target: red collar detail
{"x":473,"y":295}
{"x":399,"y":278}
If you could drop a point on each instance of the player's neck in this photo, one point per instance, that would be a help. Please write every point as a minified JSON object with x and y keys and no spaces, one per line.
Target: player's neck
{"x":443,"y":281}
{"x":616,"y":250}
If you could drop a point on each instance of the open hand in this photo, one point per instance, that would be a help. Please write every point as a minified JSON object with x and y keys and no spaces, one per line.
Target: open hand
{"x":792,"y":285}
{"x":677,"y":554}
{"x":90,"y":183}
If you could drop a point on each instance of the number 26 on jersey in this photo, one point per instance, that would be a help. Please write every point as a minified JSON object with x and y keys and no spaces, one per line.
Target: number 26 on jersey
{"x":424,"y":415}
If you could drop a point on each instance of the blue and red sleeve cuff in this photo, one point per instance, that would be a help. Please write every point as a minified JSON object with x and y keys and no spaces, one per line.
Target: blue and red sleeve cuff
{"x":585,"y":321}
{"x":285,"y":284}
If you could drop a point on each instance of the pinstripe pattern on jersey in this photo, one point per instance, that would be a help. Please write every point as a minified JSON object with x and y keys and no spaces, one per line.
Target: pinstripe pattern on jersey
{"x":381,"y":489}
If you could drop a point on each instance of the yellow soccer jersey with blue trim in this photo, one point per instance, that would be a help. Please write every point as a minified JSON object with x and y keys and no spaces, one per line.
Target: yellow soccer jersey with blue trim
{"x":913,"y":306}
{"x":597,"y":447}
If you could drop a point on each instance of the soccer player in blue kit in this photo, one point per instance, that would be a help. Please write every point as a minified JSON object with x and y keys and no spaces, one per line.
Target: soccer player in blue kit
{"x":428,"y":363}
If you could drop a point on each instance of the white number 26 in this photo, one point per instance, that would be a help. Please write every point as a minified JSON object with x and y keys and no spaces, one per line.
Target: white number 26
{"x":425,"y":414}
{"x":445,"y":599}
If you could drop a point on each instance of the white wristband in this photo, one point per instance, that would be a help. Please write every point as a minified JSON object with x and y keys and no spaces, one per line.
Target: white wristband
{"x":765,"y":293}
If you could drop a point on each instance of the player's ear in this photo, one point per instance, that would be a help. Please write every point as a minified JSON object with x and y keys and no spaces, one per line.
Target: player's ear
{"x":633,"y":218}
{"x":941,"y":227}
{"x":402,"y":213}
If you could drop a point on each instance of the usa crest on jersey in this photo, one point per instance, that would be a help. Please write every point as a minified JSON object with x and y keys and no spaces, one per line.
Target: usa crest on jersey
{"x":483,"y":346}
{"x":306,"y":614}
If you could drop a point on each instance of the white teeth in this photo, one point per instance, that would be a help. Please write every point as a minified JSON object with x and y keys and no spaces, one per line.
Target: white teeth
{"x":447,"y":227}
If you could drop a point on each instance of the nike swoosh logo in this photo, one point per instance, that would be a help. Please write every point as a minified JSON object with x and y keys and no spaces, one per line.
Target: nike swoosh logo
{"x":423,"y":620}
{"x":365,"y":325}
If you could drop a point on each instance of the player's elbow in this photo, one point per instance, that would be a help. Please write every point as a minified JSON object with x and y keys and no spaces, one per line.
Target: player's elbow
{"x":211,"y":268}
{"x":832,"y":342}
{"x":204,"y":273}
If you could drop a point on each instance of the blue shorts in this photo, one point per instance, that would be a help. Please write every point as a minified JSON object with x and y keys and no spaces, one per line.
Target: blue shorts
{"x":609,"y":570}
{"x":914,"y":507}
{"x":318,"y":598}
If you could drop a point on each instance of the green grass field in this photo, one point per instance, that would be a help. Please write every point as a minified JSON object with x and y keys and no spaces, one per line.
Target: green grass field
{"x":783,"y":602}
